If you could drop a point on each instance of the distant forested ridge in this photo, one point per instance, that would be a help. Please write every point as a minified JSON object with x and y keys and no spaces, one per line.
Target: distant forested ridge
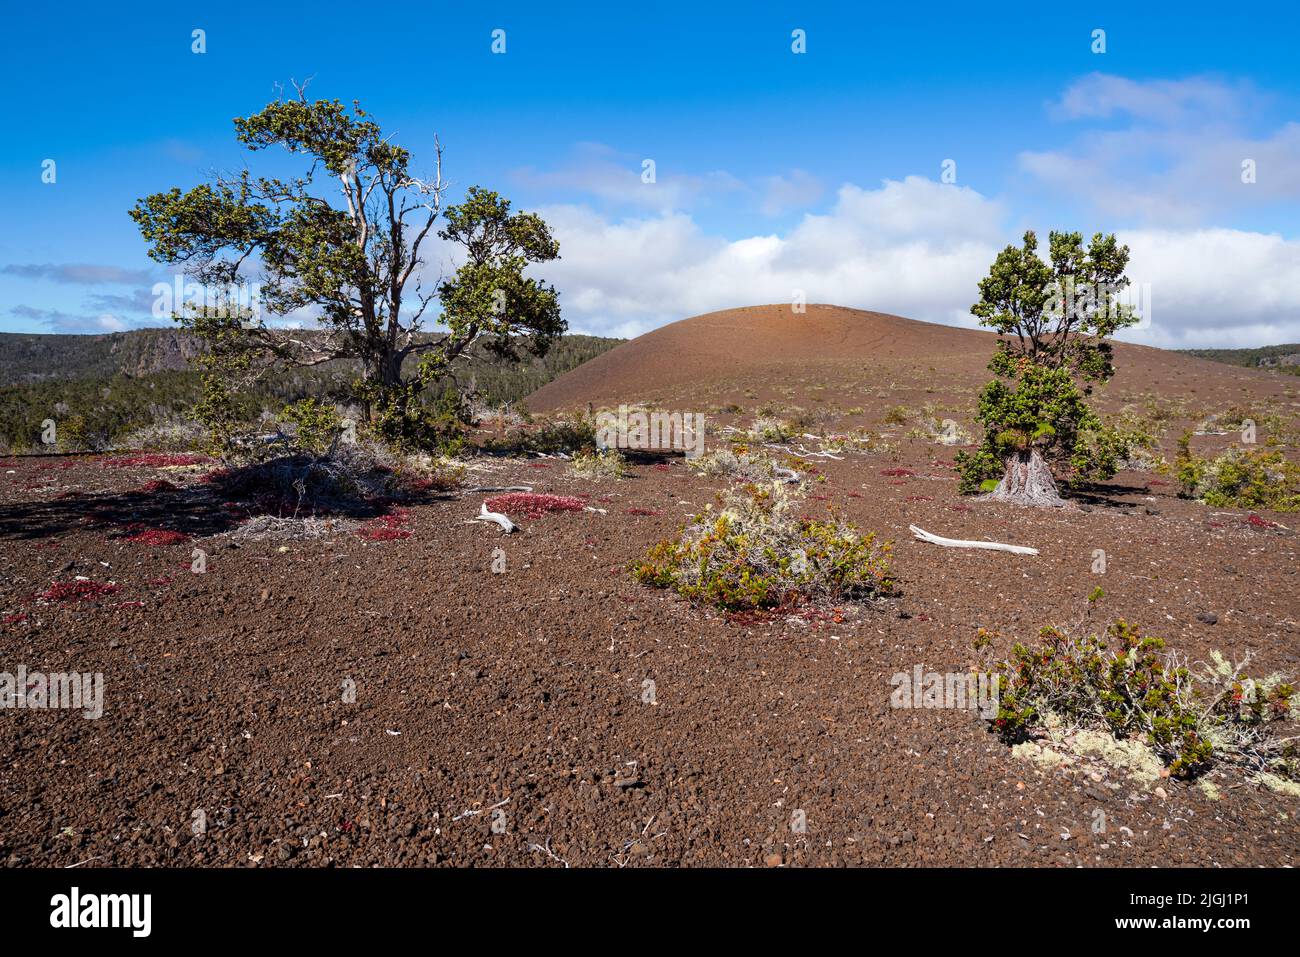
{"x":112,"y":384}
{"x":1285,"y":358}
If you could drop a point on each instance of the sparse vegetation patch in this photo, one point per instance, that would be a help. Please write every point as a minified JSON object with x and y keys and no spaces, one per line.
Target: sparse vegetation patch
{"x":737,"y":462}
{"x":1126,"y":685}
{"x":599,"y":463}
{"x":1240,"y":478}
{"x":756,"y":552}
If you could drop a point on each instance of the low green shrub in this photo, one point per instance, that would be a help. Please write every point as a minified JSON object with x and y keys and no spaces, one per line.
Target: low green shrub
{"x":771,"y":429}
{"x":547,"y":436}
{"x":737,"y":462}
{"x":599,"y":463}
{"x":1240,"y":478}
{"x":1126,"y":684}
{"x":757,"y":553}
{"x":316,"y":425}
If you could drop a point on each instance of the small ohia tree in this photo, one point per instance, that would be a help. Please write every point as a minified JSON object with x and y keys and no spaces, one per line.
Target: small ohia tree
{"x":341,"y":243}
{"x":1054,"y":319}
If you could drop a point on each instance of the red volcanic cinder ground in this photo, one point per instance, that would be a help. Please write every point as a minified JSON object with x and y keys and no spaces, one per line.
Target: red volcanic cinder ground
{"x":500,"y":717}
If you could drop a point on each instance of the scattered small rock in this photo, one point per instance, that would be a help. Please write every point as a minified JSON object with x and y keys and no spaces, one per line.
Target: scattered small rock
{"x":626,"y":780}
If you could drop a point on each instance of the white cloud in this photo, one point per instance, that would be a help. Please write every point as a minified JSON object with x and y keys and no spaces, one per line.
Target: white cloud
{"x":78,"y":273}
{"x":1179,"y":159}
{"x":798,"y":190}
{"x":1169,"y":102}
{"x":619,"y":179}
{"x":1216,"y":287}
{"x":912,"y":247}
{"x":56,"y":320}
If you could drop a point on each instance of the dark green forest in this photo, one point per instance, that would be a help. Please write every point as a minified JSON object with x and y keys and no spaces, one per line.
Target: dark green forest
{"x":1284,"y":358}
{"x":99,"y":389}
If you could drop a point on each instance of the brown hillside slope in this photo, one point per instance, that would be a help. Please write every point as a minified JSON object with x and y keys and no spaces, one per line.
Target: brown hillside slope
{"x":833,"y":357}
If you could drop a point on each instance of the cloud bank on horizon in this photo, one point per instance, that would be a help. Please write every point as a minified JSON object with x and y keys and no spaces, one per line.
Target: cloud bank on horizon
{"x":916,"y":248}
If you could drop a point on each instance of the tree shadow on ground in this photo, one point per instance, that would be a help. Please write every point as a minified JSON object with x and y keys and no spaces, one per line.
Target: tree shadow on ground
{"x":1108,"y":495}
{"x":219,"y":502}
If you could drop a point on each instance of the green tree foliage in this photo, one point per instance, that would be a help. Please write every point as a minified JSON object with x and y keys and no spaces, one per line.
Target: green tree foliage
{"x":343,"y":240}
{"x":1054,"y":319}
{"x":106,"y":408}
{"x":316,"y":425}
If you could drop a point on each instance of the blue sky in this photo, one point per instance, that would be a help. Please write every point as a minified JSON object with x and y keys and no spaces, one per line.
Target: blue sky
{"x":777,"y":173}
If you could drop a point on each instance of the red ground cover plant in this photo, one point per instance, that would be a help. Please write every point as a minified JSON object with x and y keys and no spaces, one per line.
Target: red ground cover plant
{"x":898,"y":473}
{"x":636,"y":510}
{"x":385,"y":528}
{"x":78,"y":591}
{"x":155,"y":460}
{"x":157,"y":485}
{"x":531,"y":505}
{"x":1255,"y":521}
{"x":157,"y":537}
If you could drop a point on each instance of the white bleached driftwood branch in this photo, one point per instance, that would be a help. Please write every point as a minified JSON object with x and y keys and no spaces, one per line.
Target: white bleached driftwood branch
{"x":484,"y":515}
{"x":925,"y":536}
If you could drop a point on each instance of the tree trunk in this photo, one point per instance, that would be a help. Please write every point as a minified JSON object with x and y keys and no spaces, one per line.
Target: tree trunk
{"x":1027,"y":481}
{"x":384,"y":373}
